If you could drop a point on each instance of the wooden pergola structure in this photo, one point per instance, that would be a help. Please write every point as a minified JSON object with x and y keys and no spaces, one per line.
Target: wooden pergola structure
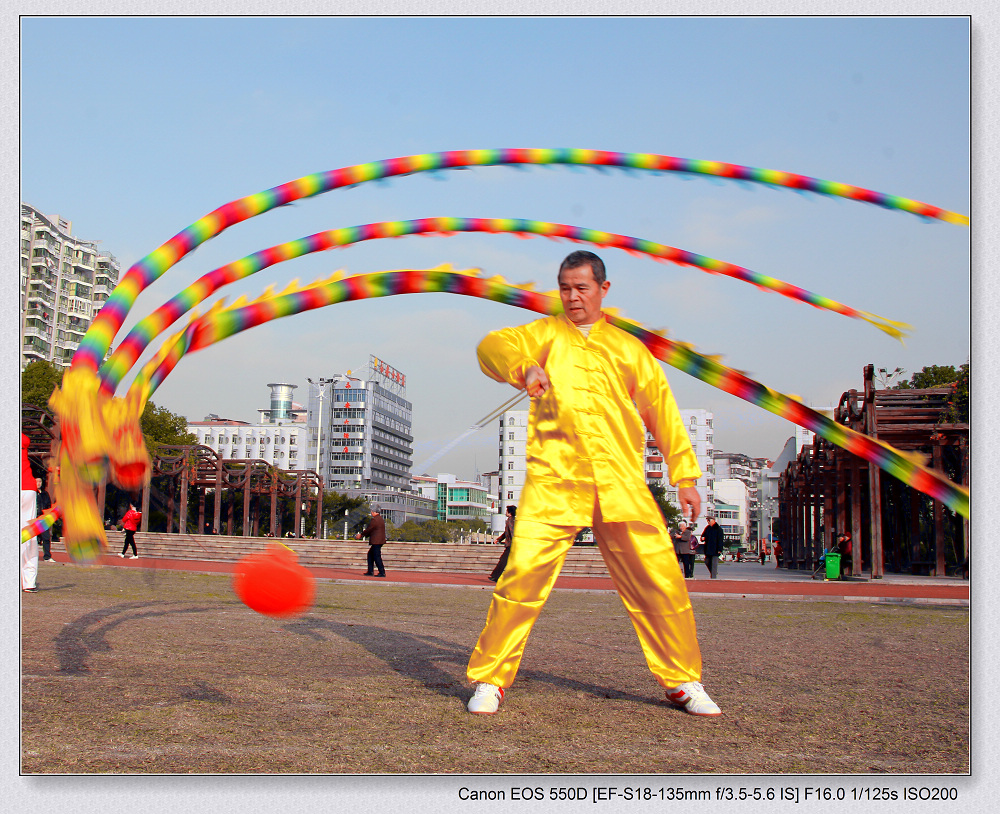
{"x":201,"y":467}
{"x":204,"y":469}
{"x":827,"y":490}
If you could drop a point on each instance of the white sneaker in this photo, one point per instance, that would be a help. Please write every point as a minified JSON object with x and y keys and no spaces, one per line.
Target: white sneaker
{"x":692,"y":697}
{"x":486,"y":699}
{"x":122,"y":556}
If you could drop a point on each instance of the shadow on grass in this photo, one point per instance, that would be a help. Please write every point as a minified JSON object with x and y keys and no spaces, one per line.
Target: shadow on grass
{"x":423,"y":658}
{"x":88,"y":634}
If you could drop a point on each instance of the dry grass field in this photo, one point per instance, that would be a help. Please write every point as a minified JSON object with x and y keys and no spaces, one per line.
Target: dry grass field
{"x":145,"y":671}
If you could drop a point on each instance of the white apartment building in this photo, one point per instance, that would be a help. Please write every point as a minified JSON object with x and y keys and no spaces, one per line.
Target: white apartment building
{"x":512,"y":454}
{"x":751,"y":472}
{"x":699,"y":426}
{"x":279,"y":439}
{"x":65,"y":281}
{"x":734,"y":494}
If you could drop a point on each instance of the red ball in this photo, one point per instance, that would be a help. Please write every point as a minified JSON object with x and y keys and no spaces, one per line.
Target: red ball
{"x":273,"y":583}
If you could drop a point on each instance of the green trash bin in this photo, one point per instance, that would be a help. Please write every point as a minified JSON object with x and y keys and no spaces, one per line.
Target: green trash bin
{"x":832,"y":566}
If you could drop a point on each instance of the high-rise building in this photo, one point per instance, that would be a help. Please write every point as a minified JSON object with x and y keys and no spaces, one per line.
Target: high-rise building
{"x":366,"y":440}
{"x":513,"y":453}
{"x":698,"y":424}
{"x":65,"y":281}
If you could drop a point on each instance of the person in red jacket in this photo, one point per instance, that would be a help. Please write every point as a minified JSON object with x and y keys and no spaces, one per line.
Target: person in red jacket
{"x":130,"y":522}
{"x":29,"y":549}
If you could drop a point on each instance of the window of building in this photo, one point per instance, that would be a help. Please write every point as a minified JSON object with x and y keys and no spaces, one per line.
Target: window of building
{"x":510,"y":495}
{"x":694,"y":421}
{"x":510,"y":436}
{"x":510,"y":479}
{"x":510,"y":450}
{"x":510,"y":464}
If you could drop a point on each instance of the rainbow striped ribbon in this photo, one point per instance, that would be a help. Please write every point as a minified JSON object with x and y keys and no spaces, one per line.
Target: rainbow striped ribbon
{"x":223,"y":322}
{"x":108,"y":322}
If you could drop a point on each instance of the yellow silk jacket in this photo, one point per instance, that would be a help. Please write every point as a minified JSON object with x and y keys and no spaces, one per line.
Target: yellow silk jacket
{"x":585,"y":436}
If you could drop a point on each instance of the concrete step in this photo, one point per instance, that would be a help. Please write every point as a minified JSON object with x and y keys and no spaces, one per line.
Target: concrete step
{"x":404,"y":556}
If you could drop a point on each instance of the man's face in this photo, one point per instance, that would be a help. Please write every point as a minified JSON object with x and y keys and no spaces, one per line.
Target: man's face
{"x":581,"y":295}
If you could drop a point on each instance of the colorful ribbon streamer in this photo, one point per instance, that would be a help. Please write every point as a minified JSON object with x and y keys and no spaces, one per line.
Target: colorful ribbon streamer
{"x":108,"y":322}
{"x":138,"y":339}
{"x":222,"y":322}
{"x":41,"y":524}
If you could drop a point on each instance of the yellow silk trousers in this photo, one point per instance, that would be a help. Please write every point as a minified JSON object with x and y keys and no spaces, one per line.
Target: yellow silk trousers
{"x":641,"y":560}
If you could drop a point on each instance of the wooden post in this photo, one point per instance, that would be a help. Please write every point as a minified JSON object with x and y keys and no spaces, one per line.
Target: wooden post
{"x":818,"y":536}
{"x":874,"y":483}
{"x":246,"y":505}
{"x":939,"y":567}
{"x":915,"y":502}
{"x":217,"y":514}
{"x":963,"y":453}
{"x":201,"y":510}
{"x":274,"y":504}
{"x":144,"y":524}
{"x":842,"y":478}
{"x":856,"y":510}
{"x":298,"y":504}
{"x":319,"y":509}
{"x":182,"y":520}
{"x":875,"y":517}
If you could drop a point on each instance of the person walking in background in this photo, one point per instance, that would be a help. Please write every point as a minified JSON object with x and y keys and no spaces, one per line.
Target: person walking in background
{"x":685,"y":546}
{"x":42,"y":504}
{"x":763,"y":551}
{"x":506,"y":538}
{"x":375,"y":532}
{"x":711,"y":536}
{"x":29,"y":548}
{"x":130,"y":523}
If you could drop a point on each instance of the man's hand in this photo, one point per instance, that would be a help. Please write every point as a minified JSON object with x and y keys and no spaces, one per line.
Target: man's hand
{"x":536,"y":381}
{"x":357,"y":536}
{"x":690,"y":502}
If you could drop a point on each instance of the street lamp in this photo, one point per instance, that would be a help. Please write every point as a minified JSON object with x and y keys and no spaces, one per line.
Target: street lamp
{"x":345,"y":524}
{"x":321,"y":388}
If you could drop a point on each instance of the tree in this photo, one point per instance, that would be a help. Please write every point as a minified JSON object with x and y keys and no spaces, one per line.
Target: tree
{"x":941,"y":376}
{"x":430,"y":531}
{"x":160,"y":426}
{"x":958,"y":407}
{"x":334,"y":506}
{"x":38,"y":380}
{"x":671,"y":514}
{"x":930,"y":376}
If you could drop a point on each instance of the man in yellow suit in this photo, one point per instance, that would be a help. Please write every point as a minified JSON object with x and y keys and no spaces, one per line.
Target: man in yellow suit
{"x":590,"y":384}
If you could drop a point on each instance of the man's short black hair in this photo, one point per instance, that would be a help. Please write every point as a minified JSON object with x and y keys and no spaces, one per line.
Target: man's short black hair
{"x":584,"y":258}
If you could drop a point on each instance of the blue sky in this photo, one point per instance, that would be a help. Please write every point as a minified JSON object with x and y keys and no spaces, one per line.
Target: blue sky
{"x":134,"y":128}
